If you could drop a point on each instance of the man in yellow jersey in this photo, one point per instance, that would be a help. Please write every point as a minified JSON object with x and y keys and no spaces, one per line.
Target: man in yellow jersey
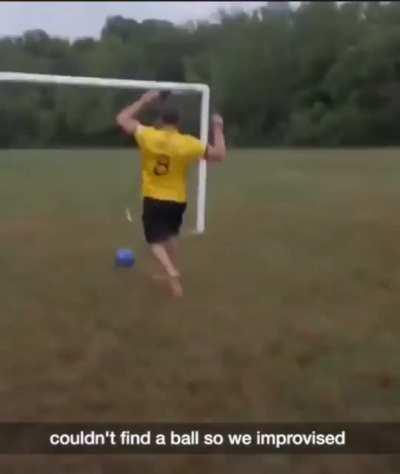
{"x":166,"y":155}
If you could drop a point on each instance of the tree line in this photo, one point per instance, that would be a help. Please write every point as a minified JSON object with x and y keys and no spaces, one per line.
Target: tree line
{"x":325,"y":74}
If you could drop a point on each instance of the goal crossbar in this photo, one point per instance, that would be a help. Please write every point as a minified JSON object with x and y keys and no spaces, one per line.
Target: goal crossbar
{"x":203,"y":89}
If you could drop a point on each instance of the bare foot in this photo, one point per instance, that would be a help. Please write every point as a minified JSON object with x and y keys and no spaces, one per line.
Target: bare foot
{"x":175,"y":287}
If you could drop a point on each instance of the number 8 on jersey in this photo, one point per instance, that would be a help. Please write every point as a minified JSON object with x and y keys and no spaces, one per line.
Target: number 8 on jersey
{"x":162,"y":166}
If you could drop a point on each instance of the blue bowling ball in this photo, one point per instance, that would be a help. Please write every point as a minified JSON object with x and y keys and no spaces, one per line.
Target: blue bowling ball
{"x":124,"y":258}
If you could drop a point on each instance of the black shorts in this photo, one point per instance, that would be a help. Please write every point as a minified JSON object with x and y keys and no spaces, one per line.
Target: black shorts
{"x":161,"y":219}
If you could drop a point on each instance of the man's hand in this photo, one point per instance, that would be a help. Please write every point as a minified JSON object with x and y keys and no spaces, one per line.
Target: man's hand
{"x":150,"y":96}
{"x":217,"y":151}
{"x":217,"y":121}
{"x":127,"y":118}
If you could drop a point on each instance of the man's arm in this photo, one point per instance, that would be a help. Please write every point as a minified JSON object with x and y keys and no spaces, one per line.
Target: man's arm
{"x":127,"y":118}
{"x":217,"y":151}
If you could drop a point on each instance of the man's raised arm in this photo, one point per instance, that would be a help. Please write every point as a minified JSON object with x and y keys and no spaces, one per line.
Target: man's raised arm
{"x":127,"y":118}
{"x":217,"y":151}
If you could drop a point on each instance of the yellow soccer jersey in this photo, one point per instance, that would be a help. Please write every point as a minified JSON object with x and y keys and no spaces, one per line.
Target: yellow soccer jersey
{"x":166,"y":156}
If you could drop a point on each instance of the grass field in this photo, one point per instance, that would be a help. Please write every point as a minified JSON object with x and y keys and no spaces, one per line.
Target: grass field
{"x":291,"y":310}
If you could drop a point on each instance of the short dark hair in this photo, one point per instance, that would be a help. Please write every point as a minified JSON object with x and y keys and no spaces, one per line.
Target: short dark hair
{"x":170,"y":116}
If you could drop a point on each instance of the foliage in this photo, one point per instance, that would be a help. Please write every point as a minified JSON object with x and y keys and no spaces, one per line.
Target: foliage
{"x":326,"y":74}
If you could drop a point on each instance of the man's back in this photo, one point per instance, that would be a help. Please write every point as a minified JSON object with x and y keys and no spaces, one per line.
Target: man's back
{"x":166,"y":155}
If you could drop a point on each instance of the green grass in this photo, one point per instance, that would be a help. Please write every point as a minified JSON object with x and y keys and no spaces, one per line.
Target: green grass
{"x":290,"y":312}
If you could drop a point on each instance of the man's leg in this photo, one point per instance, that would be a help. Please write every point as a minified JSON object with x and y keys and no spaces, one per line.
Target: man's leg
{"x":159,"y":219}
{"x":171,"y":243}
{"x":172,"y":248}
{"x":162,"y":256}
{"x":176,"y":218}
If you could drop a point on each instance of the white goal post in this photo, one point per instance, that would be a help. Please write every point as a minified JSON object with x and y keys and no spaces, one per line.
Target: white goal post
{"x":203,"y":89}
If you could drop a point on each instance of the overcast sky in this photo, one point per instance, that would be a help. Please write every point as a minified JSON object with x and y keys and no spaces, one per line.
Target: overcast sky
{"x":78,"y":19}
